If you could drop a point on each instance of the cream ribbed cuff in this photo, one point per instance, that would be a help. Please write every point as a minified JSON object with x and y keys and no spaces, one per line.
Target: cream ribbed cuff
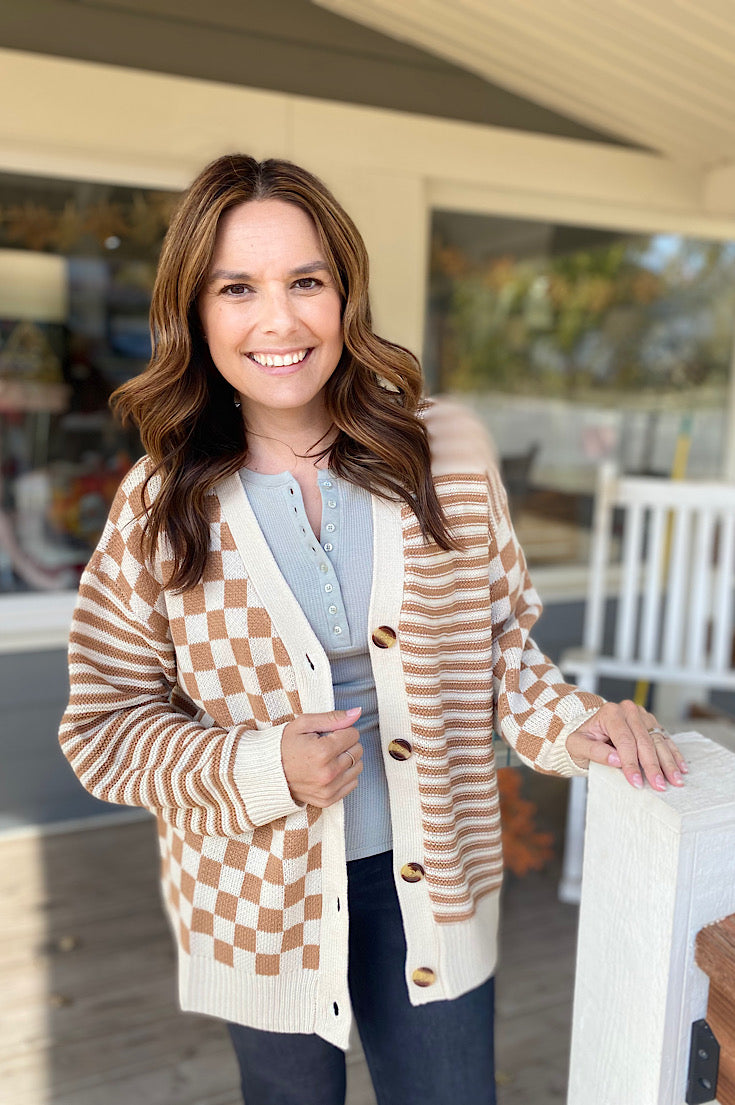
{"x":554,"y":756}
{"x":259,"y":775}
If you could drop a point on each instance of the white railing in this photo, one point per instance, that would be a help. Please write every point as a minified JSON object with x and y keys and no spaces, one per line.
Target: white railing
{"x":657,"y":868}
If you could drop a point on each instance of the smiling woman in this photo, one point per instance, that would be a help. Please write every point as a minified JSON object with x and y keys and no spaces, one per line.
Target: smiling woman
{"x":183,"y":404}
{"x":274,"y":328}
{"x":306,"y":616}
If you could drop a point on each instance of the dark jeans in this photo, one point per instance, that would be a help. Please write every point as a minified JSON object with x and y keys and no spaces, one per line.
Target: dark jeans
{"x":435,"y":1054}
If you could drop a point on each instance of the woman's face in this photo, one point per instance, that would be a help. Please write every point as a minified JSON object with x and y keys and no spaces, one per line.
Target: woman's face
{"x":270,"y":310}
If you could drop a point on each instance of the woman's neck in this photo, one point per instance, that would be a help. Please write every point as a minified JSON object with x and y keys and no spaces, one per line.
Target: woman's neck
{"x":280,"y":441}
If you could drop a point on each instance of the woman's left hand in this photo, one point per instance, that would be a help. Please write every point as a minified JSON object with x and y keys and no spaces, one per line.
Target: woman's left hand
{"x":626,"y":736}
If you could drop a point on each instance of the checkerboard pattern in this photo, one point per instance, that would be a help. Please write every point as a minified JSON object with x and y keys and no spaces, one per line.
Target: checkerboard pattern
{"x":251,"y":904}
{"x":246,"y":896}
{"x":229,"y":658}
{"x":533,"y":703}
{"x":136,"y":649}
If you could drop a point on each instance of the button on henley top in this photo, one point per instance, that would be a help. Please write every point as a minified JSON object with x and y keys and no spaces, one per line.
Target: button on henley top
{"x":331,"y":580}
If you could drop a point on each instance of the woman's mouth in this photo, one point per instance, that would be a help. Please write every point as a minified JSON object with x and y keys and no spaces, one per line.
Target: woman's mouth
{"x":279,"y":360}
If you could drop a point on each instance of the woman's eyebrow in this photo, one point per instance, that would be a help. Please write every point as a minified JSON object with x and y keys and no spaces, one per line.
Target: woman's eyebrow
{"x":310,"y":266}
{"x":244,"y":277}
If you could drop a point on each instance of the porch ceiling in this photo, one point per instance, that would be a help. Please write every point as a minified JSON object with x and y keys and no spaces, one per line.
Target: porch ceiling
{"x":657,"y":73}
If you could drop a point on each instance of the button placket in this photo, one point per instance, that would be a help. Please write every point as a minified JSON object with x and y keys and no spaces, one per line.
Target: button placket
{"x":310,"y":557}
{"x":335,"y":611}
{"x":337,"y":617}
{"x":334,"y":604}
{"x":331,"y":504}
{"x":303,"y":522}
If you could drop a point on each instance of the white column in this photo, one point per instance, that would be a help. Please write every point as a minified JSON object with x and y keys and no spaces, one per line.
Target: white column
{"x":657,"y":868}
{"x":571,"y":877}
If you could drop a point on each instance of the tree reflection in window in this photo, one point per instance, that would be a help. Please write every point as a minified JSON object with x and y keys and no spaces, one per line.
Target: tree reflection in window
{"x":576,"y":345}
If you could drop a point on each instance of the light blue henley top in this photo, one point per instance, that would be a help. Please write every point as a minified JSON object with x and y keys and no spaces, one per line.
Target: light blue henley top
{"x":331,"y":580}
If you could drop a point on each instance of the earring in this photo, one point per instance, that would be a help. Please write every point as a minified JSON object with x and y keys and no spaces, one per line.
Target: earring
{"x":236,"y":400}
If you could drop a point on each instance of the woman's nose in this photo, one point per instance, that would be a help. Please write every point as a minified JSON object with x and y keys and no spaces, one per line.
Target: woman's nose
{"x":277,"y":312}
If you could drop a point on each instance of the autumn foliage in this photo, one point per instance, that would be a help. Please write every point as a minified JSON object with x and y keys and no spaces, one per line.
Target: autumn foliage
{"x":524,"y":848}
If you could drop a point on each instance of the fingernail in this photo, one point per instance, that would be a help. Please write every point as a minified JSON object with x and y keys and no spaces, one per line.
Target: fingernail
{"x":683,"y":767}
{"x":613,"y":759}
{"x":660,"y":782}
{"x":637,"y":780}
{"x":352,"y":712}
{"x":678,"y":779}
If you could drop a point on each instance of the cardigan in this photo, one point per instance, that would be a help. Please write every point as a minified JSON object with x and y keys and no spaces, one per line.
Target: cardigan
{"x":178,"y":703}
{"x":331,"y":577}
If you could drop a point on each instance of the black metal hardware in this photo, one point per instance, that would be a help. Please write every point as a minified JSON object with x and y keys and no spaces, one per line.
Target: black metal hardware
{"x":704,"y":1061}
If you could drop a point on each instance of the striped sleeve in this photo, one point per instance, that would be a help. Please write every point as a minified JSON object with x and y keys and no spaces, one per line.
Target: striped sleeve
{"x":130,"y":734}
{"x":535,"y":710}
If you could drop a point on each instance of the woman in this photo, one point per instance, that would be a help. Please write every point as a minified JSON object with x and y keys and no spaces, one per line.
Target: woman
{"x":310,"y":592}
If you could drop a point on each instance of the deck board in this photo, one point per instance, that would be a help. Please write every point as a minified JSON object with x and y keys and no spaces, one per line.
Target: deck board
{"x":88,"y":980}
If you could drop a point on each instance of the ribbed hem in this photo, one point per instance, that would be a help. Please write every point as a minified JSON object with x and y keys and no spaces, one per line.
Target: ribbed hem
{"x":467,"y":957}
{"x":286,"y":1003}
{"x":260,"y":777}
{"x":468,"y":950}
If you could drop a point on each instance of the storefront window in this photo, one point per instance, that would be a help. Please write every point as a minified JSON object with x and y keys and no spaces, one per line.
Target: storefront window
{"x":77,"y":262}
{"x":578,"y":345}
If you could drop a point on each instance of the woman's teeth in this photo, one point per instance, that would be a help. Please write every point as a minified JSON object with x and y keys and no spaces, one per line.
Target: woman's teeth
{"x":275,"y":360}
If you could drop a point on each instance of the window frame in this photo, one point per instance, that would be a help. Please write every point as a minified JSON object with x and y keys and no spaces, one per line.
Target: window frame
{"x":390,"y":169}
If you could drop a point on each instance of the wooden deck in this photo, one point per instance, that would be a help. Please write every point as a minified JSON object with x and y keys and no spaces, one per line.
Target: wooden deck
{"x":89,"y":1014}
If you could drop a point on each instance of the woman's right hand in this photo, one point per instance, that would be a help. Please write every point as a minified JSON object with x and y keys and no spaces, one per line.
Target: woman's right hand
{"x":314,"y":753}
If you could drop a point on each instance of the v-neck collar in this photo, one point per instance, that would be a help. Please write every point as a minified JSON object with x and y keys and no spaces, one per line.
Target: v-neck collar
{"x":289,"y":620}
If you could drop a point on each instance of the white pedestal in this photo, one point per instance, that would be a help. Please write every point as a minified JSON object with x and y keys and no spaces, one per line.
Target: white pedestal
{"x":657,"y":867}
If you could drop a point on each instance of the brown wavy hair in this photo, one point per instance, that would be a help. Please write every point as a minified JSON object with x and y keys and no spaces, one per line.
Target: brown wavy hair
{"x":184,"y":409}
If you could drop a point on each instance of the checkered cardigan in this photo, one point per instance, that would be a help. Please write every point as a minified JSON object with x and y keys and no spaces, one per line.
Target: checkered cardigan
{"x":178,"y":703}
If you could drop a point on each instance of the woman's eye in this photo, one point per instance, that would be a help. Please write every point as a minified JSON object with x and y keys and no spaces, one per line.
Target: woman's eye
{"x":308,"y":283}
{"x":234,"y":289}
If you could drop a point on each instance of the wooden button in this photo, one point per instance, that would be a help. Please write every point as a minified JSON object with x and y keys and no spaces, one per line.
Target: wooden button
{"x":400,"y":749}
{"x":423,"y":976}
{"x":384,"y":636}
{"x":412,"y":872}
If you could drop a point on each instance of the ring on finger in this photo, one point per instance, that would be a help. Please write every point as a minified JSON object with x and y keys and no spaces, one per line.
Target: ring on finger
{"x":351,"y":757}
{"x":656,"y":729}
